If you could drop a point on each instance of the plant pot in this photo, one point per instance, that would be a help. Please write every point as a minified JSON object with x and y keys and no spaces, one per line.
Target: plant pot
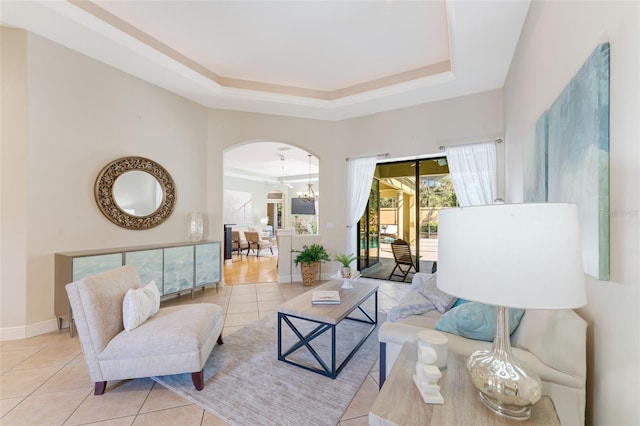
{"x":309,"y":272}
{"x":345,"y":271}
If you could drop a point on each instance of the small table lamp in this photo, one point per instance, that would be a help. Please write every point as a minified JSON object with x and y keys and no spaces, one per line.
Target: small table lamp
{"x":510,"y":255}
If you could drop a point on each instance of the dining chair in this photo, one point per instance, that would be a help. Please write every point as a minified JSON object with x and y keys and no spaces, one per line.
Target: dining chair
{"x":256,"y":243}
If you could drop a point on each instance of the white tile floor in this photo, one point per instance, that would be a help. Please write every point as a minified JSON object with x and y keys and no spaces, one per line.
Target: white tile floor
{"x":44,"y":381}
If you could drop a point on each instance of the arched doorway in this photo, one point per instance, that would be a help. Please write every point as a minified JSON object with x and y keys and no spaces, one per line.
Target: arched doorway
{"x":263,"y":182}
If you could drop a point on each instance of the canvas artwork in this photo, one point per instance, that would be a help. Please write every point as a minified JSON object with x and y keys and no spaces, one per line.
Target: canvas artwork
{"x":535,"y":163}
{"x":578,"y":156}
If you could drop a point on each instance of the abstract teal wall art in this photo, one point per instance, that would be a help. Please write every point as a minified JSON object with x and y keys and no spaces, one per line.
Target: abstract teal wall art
{"x":535,"y":162}
{"x":578,"y":156}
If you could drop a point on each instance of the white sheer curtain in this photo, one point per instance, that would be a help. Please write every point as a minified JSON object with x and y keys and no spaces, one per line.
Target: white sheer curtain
{"x":473,"y":172}
{"x":359,"y":186}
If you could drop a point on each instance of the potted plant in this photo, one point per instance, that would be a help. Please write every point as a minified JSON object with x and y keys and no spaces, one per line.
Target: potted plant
{"x":310,"y":258}
{"x":345,"y":260}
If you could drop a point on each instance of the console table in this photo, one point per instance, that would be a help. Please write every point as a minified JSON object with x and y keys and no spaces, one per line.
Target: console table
{"x":174,"y":267}
{"x":399,"y":401}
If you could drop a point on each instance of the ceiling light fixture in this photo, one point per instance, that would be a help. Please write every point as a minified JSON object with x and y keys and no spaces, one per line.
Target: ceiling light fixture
{"x":309,"y":195}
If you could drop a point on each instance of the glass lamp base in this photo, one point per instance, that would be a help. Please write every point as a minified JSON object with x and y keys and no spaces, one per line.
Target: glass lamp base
{"x":510,"y":411}
{"x":507,"y":387}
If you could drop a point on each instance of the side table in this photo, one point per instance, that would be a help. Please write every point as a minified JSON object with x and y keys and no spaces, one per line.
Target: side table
{"x":400,"y":403}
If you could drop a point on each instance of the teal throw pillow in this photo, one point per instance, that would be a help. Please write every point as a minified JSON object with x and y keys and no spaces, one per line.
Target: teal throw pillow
{"x":460,"y":302}
{"x":476,"y":321}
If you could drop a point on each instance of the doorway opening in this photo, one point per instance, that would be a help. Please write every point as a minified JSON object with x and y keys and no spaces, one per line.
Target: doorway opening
{"x":403,"y":204}
{"x":262,"y":180}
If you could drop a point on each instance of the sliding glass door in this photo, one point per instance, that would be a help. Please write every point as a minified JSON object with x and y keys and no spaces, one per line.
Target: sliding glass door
{"x":369,"y":229}
{"x":405,"y":206}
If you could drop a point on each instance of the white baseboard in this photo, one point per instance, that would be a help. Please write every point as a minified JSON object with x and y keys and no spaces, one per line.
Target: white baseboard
{"x":284,"y":278}
{"x":26,"y":331}
{"x":297,"y":277}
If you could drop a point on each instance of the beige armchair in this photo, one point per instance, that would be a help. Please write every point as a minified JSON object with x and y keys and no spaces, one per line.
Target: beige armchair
{"x":175,"y":340}
{"x":256,"y":243}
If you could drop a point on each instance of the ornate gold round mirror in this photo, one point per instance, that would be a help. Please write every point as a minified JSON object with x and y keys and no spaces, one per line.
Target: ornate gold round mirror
{"x":135,"y":193}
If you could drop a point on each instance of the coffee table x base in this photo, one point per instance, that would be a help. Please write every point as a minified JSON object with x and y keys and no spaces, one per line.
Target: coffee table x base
{"x":323,"y":327}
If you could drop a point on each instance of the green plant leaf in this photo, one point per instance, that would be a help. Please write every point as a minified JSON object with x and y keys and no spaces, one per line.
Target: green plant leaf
{"x":310,"y":254}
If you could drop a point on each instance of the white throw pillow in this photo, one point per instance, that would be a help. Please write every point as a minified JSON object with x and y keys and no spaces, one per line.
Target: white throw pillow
{"x":136,"y":308}
{"x":152,"y":292}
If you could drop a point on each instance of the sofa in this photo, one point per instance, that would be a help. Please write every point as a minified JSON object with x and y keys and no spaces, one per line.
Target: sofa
{"x":551,"y":342}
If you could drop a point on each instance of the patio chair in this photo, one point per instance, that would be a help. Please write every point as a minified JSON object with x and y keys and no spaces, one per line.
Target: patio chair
{"x":405,"y":261}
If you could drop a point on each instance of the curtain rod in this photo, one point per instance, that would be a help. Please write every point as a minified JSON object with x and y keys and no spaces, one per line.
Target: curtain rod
{"x":442,"y":147}
{"x":385,"y":155}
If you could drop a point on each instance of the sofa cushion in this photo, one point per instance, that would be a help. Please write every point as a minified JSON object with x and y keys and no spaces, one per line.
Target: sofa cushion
{"x":136,"y":308}
{"x":177,"y":339}
{"x":140,"y":304}
{"x":476,"y":320}
{"x":152,"y":292}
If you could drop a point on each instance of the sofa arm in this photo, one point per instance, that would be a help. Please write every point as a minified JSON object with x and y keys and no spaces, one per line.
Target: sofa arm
{"x":392,"y":336}
{"x":393,"y":332}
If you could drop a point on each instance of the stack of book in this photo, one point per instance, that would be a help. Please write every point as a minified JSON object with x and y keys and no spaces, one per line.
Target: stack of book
{"x":325,"y":298}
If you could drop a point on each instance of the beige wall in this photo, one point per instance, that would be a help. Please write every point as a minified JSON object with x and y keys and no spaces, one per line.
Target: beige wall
{"x":73,"y":116}
{"x":13,"y":181}
{"x":558,"y":37}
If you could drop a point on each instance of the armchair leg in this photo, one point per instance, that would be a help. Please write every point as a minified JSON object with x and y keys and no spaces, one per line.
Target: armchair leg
{"x":198,"y":379}
{"x":99,"y":388}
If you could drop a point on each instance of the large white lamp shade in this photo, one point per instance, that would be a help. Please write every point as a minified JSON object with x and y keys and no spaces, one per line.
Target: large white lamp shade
{"x":514,"y":255}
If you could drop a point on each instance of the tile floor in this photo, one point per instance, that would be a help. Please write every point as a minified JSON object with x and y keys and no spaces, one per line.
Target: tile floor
{"x":43,"y":380}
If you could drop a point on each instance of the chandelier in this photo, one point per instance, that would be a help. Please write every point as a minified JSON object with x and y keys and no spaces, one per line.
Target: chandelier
{"x":309,"y":195}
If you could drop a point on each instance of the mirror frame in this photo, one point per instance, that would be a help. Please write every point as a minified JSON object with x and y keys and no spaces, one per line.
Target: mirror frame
{"x":107,"y":204}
